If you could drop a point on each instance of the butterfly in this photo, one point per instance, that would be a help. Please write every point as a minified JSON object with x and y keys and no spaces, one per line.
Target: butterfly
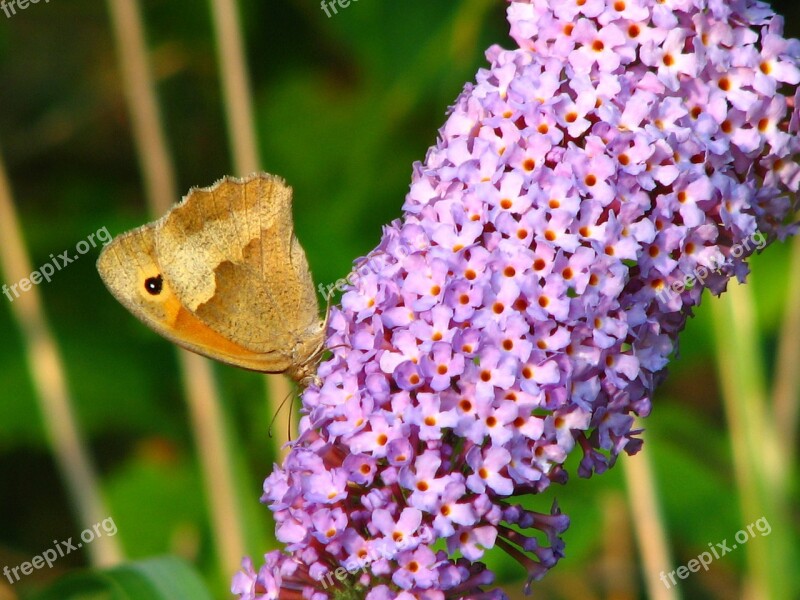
{"x":223,"y":275}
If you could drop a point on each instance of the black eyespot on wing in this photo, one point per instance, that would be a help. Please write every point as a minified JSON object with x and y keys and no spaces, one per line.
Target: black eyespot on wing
{"x":154,"y":285}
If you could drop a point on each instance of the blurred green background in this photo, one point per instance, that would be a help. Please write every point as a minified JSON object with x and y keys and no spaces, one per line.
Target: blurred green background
{"x":343,"y":107}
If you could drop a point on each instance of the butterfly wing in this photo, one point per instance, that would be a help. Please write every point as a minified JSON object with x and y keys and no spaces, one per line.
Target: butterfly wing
{"x":131,"y":271}
{"x":230,"y":254}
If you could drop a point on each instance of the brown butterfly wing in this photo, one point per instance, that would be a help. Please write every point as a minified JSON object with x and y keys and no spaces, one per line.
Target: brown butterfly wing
{"x":127,"y":264}
{"x":231,"y":256}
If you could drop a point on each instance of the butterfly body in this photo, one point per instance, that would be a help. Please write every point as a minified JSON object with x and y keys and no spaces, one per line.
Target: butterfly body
{"x":223,"y":275}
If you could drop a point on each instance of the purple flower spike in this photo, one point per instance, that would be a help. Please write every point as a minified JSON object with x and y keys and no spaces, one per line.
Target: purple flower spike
{"x":581,"y":196}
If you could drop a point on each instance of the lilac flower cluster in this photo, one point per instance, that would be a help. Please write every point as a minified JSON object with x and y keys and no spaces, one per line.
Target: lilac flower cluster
{"x":514,"y":313}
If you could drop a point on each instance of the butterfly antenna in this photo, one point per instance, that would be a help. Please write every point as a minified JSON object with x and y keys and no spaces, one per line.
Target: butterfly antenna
{"x":289,"y":396}
{"x":289,"y":420}
{"x":328,"y":300}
